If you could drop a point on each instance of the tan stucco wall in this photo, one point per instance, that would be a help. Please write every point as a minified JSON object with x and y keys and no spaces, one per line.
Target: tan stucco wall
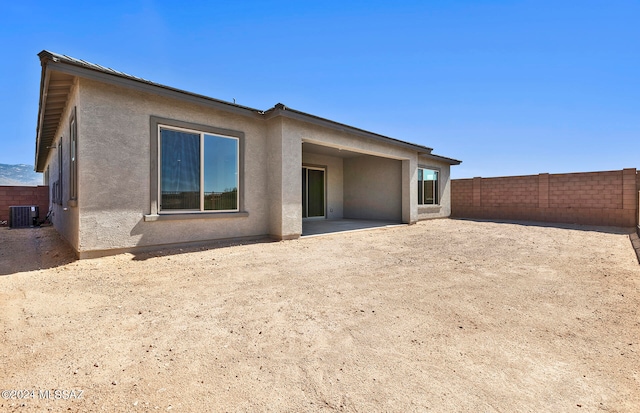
{"x":381,"y":151}
{"x":329,"y":137}
{"x":334,"y":181}
{"x":274,"y":178}
{"x":444,"y":208}
{"x":115,"y":169}
{"x":284,"y":160}
{"x":114,"y":162}
{"x":65,"y":218}
{"x":409,"y":190}
{"x":373,"y":188}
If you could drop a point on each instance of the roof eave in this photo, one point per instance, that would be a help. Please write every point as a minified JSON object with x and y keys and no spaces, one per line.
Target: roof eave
{"x":440,"y":158}
{"x":44,"y":79}
{"x":284,"y":111}
{"x":52,"y":62}
{"x":55,"y":88}
{"x":83,"y":69}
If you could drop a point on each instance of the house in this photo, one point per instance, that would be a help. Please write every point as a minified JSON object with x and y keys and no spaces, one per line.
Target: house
{"x":133,"y":164}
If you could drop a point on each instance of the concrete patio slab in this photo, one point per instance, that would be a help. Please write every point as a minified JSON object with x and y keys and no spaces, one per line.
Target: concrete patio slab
{"x":312,"y":228}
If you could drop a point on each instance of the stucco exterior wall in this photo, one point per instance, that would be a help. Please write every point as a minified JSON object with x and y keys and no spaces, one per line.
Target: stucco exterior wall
{"x":284,"y":160}
{"x":274,"y":177}
{"x":381,"y":151}
{"x":291,"y":182}
{"x":117,"y":206}
{"x":443,"y":209}
{"x":373,"y":188}
{"x":114,"y":164}
{"x":65,"y":217}
{"x":307,"y":132}
{"x":334,"y":181}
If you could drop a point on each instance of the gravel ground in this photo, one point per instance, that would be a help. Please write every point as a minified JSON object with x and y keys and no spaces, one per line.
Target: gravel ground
{"x":442,"y":316}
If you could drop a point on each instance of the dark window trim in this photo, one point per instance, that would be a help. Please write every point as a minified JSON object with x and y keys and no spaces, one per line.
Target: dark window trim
{"x":154,"y":211}
{"x":73,"y":163}
{"x":60,"y":174}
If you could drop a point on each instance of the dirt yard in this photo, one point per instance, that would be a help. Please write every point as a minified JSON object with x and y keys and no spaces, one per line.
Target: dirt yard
{"x":442,"y":316}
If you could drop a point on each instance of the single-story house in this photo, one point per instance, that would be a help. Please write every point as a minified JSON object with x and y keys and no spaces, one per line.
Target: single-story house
{"x":133,"y":164}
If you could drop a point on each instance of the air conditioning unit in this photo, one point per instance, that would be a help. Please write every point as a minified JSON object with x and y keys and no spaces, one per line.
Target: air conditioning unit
{"x":23,"y":216}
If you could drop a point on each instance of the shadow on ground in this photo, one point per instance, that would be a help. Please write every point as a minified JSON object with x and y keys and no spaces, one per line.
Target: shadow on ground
{"x":160,"y":251}
{"x":31,"y":249}
{"x":577,"y":227}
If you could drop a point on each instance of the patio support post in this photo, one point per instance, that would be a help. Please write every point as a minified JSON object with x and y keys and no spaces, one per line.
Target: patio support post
{"x":410,"y":191}
{"x":284,"y":165}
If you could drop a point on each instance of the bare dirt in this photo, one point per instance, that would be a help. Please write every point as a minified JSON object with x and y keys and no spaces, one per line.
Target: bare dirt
{"x":443,"y":316}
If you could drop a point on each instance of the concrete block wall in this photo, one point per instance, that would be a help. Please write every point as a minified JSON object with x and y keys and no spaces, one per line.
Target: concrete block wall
{"x":638,"y":206}
{"x":515,"y":190}
{"x":23,"y":195}
{"x":608,"y":198}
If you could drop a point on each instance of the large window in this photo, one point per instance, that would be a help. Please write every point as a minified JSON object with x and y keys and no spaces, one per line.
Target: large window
{"x":427,"y":187}
{"x":199,"y":171}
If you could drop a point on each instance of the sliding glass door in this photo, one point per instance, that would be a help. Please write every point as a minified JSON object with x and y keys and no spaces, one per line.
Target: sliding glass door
{"x":313,"y":190}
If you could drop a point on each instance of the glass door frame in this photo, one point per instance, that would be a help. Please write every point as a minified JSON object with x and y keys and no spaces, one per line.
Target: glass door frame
{"x":305,"y":192}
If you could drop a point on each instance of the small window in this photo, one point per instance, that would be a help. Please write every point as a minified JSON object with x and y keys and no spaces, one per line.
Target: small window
{"x":198,"y":171}
{"x":73,"y":150}
{"x":428,"y":187}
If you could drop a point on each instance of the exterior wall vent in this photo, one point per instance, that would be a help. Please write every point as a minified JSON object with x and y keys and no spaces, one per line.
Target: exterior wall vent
{"x":23,"y":216}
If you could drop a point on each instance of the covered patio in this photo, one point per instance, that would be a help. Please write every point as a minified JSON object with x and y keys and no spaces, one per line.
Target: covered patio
{"x":312,"y":228}
{"x":340,"y":183}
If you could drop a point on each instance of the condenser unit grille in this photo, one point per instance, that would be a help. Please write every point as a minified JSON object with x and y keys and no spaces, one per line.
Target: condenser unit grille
{"x":23,"y":216}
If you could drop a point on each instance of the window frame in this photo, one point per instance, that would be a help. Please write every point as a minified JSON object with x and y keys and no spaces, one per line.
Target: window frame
{"x":202,"y":166}
{"x":73,"y":158}
{"x":156,"y":212}
{"x":437,"y":191}
{"x":60,"y":174}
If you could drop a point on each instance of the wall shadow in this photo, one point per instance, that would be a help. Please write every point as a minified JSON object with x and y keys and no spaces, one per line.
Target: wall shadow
{"x":145,"y":253}
{"x":577,"y":227}
{"x":31,"y":249}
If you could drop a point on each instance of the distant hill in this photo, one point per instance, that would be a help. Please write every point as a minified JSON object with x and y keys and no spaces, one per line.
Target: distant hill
{"x":16,"y":175}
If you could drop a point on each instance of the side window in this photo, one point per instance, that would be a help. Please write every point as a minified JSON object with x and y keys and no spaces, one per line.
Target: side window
{"x":59,"y":186}
{"x":428,"y":187}
{"x":73,"y":151}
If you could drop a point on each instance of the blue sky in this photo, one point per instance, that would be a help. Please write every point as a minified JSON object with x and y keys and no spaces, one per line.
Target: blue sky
{"x":508,"y":87}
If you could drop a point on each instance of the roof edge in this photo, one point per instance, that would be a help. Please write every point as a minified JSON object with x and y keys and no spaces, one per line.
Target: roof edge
{"x":76,"y":67}
{"x":86,"y":69}
{"x":44,"y":75}
{"x":450,"y":161}
{"x":282,"y":110}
